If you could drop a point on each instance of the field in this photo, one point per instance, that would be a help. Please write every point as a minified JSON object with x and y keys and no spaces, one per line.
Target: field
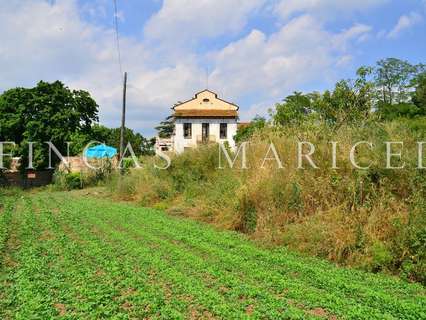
{"x":77,"y":257}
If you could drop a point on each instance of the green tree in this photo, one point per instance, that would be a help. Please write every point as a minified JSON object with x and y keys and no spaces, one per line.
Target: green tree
{"x":47,"y":112}
{"x":293,"y":109}
{"x":166,"y":127}
{"x":351,"y":101}
{"x":393,"y":77}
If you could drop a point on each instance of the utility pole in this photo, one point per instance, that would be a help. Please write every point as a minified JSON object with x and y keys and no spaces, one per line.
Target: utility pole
{"x":123,"y":117}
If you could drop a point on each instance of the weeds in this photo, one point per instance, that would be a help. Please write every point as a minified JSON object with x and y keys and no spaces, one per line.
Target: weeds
{"x":363,"y":218}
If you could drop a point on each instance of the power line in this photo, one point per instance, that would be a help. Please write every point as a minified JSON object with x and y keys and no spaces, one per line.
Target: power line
{"x":117,"y":37}
{"x":123,"y":112}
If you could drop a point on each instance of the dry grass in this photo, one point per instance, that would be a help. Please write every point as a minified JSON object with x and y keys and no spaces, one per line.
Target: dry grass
{"x":350,"y":216}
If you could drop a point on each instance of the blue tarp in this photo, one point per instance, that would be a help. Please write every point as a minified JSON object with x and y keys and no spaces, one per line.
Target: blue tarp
{"x":101,"y":151}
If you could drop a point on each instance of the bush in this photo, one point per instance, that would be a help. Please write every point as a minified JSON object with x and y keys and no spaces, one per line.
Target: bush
{"x":78,"y":180}
{"x":394,"y":111}
{"x":68,"y":181}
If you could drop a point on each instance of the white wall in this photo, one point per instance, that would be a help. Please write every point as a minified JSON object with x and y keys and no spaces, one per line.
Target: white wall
{"x":180,"y":143}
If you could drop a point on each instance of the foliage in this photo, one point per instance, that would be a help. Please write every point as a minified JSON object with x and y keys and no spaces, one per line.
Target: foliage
{"x":407,"y":109}
{"x":350,"y":102}
{"x":79,"y":257}
{"x":246,"y":131}
{"x":47,"y":112}
{"x":68,"y":181}
{"x":394,"y":88}
{"x":419,"y":96}
{"x":394,"y":111}
{"x":293,"y":109}
{"x":166,"y":127}
{"x":87,"y":178}
{"x":393,"y":78}
{"x":111,"y":137}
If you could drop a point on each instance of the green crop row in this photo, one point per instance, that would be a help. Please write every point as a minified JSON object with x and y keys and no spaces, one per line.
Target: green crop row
{"x":85,"y":258}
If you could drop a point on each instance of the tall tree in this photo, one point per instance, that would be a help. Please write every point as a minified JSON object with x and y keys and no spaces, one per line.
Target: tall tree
{"x":166,"y":127}
{"x":393,"y":77}
{"x":48,"y":112}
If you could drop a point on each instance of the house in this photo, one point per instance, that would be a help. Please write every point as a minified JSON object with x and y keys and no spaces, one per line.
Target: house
{"x":204,"y":119}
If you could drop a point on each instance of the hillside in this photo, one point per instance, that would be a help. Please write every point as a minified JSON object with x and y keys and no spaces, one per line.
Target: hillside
{"x":67,"y":256}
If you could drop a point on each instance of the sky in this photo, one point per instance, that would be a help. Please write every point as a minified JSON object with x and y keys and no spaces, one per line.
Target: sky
{"x":251,"y":52}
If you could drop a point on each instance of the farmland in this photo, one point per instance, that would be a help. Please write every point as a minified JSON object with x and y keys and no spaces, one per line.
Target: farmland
{"x":77,"y":257}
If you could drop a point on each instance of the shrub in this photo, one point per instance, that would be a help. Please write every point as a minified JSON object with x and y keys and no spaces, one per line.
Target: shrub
{"x":68,"y":181}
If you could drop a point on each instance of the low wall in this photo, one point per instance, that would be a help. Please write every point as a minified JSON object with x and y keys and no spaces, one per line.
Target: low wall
{"x":29,"y":180}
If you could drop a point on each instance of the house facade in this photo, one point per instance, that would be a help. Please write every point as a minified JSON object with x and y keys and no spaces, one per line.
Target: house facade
{"x":204,"y":119}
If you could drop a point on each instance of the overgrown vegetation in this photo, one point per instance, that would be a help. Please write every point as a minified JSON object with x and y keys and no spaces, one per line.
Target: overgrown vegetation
{"x":372,"y":219}
{"x":64,"y":180}
{"x":77,"y":257}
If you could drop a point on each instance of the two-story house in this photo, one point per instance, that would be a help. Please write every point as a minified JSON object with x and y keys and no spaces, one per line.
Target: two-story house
{"x":204,"y":119}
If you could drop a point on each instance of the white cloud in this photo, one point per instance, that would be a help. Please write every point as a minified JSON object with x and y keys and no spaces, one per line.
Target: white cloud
{"x":272,"y":66}
{"x":41,"y":40}
{"x":358,"y":32}
{"x":405,"y":22}
{"x":324,"y":8}
{"x":184,"y":22}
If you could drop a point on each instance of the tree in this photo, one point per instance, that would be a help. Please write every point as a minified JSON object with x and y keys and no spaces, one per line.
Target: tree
{"x":293,"y":109}
{"x":47,"y":112}
{"x":166,"y":127}
{"x":393,"y":77}
{"x":350,"y":101}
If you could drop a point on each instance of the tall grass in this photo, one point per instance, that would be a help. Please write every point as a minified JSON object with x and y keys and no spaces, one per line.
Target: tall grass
{"x":373,"y":219}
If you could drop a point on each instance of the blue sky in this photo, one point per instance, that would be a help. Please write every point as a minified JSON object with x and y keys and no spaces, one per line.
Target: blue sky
{"x":256,"y":51}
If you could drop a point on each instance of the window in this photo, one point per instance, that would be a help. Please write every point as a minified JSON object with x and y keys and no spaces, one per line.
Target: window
{"x":206,"y":100}
{"x":223,"y":130}
{"x":187,"y":130}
